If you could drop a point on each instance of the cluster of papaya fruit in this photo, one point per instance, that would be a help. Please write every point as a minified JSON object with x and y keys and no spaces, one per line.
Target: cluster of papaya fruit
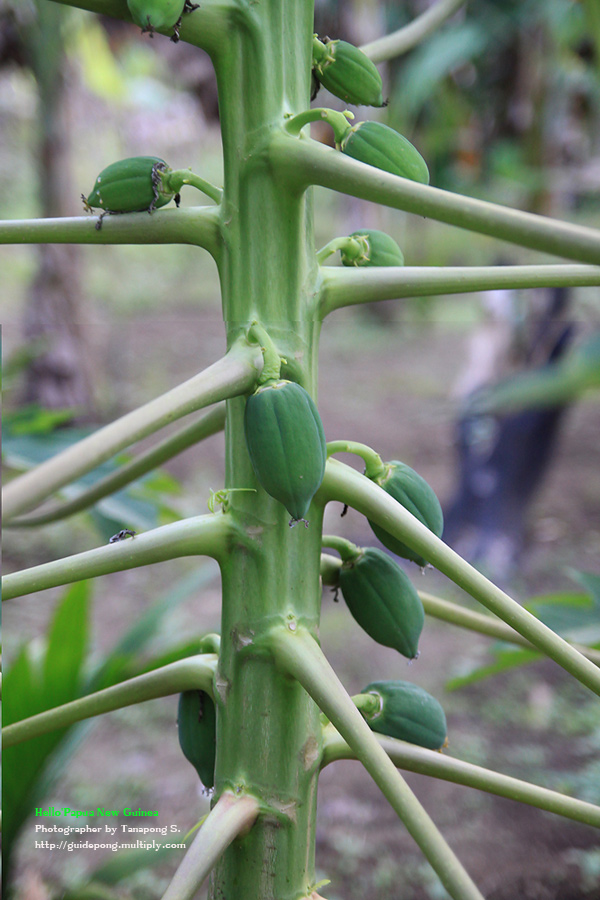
{"x":397,"y":709}
{"x":288,"y":451}
{"x":145,"y":183}
{"x":349,"y":74}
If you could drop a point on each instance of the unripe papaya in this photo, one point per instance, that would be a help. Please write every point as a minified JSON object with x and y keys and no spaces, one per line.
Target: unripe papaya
{"x":414,"y":494}
{"x":407,"y":712}
{"x":130,"y":185}
{"x":378,"y":145}
{"x":349,"y":74}
{"x":197,"y":729}
{"x":383,"y":601}
{"x":153,"y":14}
{"x":380,"y":250}
{"x":286,"y":443}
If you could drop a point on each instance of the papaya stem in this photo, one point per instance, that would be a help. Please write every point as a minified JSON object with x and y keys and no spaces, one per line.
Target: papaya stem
{"x":175,"y":180}
{"x":347,"y":550}
{"x":330,"y":569}
{"x":374,"y":465}
{"x":354,"y":248}
{"x":231,"y":816}
{"x":271,"y":370}
{"x":193,"y":673}
{"x":197,"y":536}
{"x":298,"y":654}
{"x":211,"y":423}
{"x":232,"y":375}
{"x":337,"y":120}
{"x":412,"y":758}
{"x":310,"y":162}
{"x":404,"y":39}
{"x":367,"y":704}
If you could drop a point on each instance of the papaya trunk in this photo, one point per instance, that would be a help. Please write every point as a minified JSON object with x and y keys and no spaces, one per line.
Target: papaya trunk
{"x":268,"y":732}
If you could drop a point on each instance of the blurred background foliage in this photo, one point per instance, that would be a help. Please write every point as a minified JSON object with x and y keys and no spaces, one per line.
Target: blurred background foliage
{"x":504,"y":103}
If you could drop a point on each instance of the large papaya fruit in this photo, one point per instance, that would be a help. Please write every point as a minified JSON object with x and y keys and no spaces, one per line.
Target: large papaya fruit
{"x":379,"y":145}
{"x":286,"y":443}
{"x":197,"y":730}
{"x":411,"y":491}
{"x":408,"y":712}
{"x":130,"y":185}
{"x":347,"y":72}
{"x":383,"y":601}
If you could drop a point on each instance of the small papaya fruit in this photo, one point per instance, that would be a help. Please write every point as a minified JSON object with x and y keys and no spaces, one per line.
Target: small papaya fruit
{"x":130,"y":185}
{"x":379,"y":145}
{"x":152,"y":15}
{"x":286,"y":443}
{"x":407,"y":712}
{"x":347,"y":72}
{"x":411,"y":491}
{"x":197,"y":730}
{"x":383,"y":600}
{"x":380,"y":250}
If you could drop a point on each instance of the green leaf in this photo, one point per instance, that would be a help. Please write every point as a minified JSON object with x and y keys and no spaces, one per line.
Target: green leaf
{"x":437,"y":57}
{"x":589,"y":581}
{"x":551,"y":385}
{"x":124,"y":661}
{"x":33,"y":420}
{"x":31,"y":686}
{"x":125,"y":863}
{"x":570,"y":614}
{"x":505,"y":660}
{"x":138,"y":506}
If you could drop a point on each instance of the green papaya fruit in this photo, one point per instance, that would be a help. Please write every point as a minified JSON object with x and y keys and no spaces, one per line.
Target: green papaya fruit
{"x":153,"y":14}
{"x":409,"y":713}
{"x":411,"y":491}
{"x":197,"y":730}
{"x":130,"y":185}
{"x":348,"y":73}
{"x":380,"y":250}
{"x":286,"y":444}
{"x":378,"y":145}
{"x":383,"y":601}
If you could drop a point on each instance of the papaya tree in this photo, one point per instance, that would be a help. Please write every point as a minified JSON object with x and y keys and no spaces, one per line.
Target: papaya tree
{"x":261,"y":710}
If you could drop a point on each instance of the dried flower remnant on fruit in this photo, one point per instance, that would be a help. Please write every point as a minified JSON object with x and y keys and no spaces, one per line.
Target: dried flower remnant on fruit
{"x":153,"y":15}
{"x":130,"y":185}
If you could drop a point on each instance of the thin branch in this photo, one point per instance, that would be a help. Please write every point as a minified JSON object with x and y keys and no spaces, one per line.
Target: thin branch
{"x":341,"y":287}
{"x":234,"y":374}
{"x":399,"y":42}
{"x":439,"y":765}
{"x":454,"y":614}
{"x":193,"y":673}
{"x":457,"y":615}
{"x":345,"y":484}
{"x":190,"y":225}
{"x":298,"y":654}
{"x":305,"y":162}
{"x":232,"y":815}
{"x":208,"y":535}
{"x":211,"y":423}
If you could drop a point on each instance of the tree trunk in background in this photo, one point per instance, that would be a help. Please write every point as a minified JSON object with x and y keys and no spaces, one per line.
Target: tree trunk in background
{"x":59,"y":374}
